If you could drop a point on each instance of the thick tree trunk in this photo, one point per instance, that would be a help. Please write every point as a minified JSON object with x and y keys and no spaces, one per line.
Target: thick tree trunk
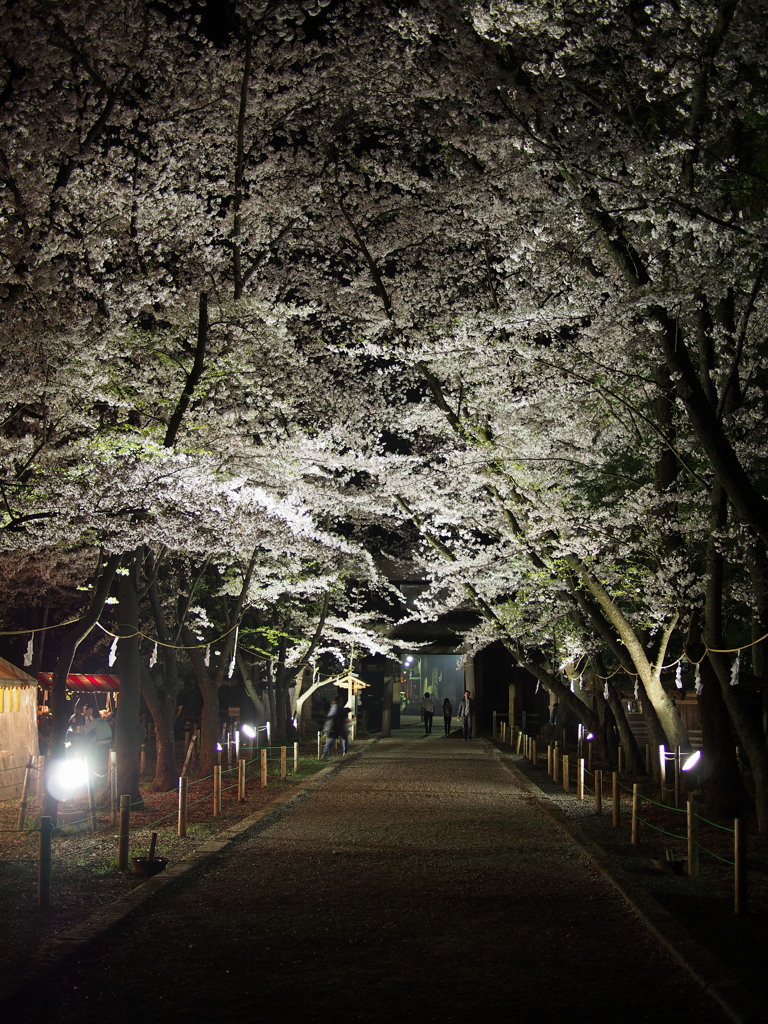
{"x":162,"y":707}
{"x":723,"y":788}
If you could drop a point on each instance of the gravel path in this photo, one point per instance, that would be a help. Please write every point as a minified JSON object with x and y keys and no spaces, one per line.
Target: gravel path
{"x":418,"y":880}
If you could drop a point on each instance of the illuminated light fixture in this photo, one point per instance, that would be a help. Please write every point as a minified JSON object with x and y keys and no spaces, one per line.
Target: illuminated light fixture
{"x":691,"y":761}
{"x":249,"y":731}
{"x":219,"y":747}
{"x":66,"y":777}
{"x":589,"y":736}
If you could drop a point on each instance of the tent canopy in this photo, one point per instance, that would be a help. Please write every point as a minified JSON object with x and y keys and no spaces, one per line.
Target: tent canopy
{"x":85,"y":681}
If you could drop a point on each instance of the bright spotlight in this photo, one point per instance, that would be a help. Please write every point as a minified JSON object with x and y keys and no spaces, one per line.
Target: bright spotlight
{"x":691,"y":761}
{"x":249,"y":731}
{"x":66,"y":777}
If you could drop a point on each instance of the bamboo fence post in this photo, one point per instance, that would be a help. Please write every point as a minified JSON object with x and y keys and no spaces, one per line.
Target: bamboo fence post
{"x":598,"y":791}
{"x":44,"y":862}
{"x":295,"y":758}
{"x":183,"y":787}
{"x":677,"y":777}
{"x":616,"y":800}
{"x":24,"y":791}
{"x":519,"y":740}
{"x":319,"y":745}
{"x":692,"y":823}
{"x":566,"y":773}
{"x":580,"y":780}
{"x":241,"y":780}
{"x":739,"y":867}
{"x":263,"y":767}
{"x":635,"y":817}
{"x":216,"y":790}
{"x":549,"y":760}
{"x":283,"y":765}
{"x":124,"y":832}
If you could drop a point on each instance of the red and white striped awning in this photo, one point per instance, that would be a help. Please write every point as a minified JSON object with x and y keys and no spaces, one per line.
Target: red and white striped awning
{"x":84,"y":681}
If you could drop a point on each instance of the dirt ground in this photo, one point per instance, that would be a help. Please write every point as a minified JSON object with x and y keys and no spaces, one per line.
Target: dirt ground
{"x":392,"y":827}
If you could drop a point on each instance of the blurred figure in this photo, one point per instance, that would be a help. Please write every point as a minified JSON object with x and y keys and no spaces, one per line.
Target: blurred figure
{"x":336,"y":726}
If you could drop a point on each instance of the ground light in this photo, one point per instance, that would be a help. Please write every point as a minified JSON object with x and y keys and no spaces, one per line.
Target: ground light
{"x":66,"y":776}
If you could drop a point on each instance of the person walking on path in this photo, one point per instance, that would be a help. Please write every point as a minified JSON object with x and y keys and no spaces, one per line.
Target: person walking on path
{"x":427,"y":713}
{"x":447,"y":715}
{"x":336,"y":727}
{"x":465,"y":715}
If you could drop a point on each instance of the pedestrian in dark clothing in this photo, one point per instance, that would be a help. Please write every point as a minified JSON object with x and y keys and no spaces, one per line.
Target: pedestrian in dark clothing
{"x":447,"y":715}
{"x":427,"y":713}
{"x":465,"y":714}
{"x":336,"y":727}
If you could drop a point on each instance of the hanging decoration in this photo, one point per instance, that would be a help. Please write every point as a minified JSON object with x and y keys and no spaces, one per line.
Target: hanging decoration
{"x":606,"y":692}
{"x":207,"y":658}
{"x":637,"y":690}
{"x":538,"y":685}
{"x":234,"y":655}
{"x":153,"y":657}
{"x":698,"y":685}
{"x":735,"y":669}
{"x":113,"y":652}
{"x":30,"y":651}
{"x":679,"y":676}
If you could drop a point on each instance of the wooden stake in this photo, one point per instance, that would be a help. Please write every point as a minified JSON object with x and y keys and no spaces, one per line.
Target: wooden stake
{"x":283,"y":766}
{"x":216,"y":790}
{"x":241,"y":780}
{"x":566,"y":773}
{"x":580,"y":780}
{"x":124,"y":832}
{"x":295,"y":758}
{"x":264,"y":768}
{"x":183,"y":787}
